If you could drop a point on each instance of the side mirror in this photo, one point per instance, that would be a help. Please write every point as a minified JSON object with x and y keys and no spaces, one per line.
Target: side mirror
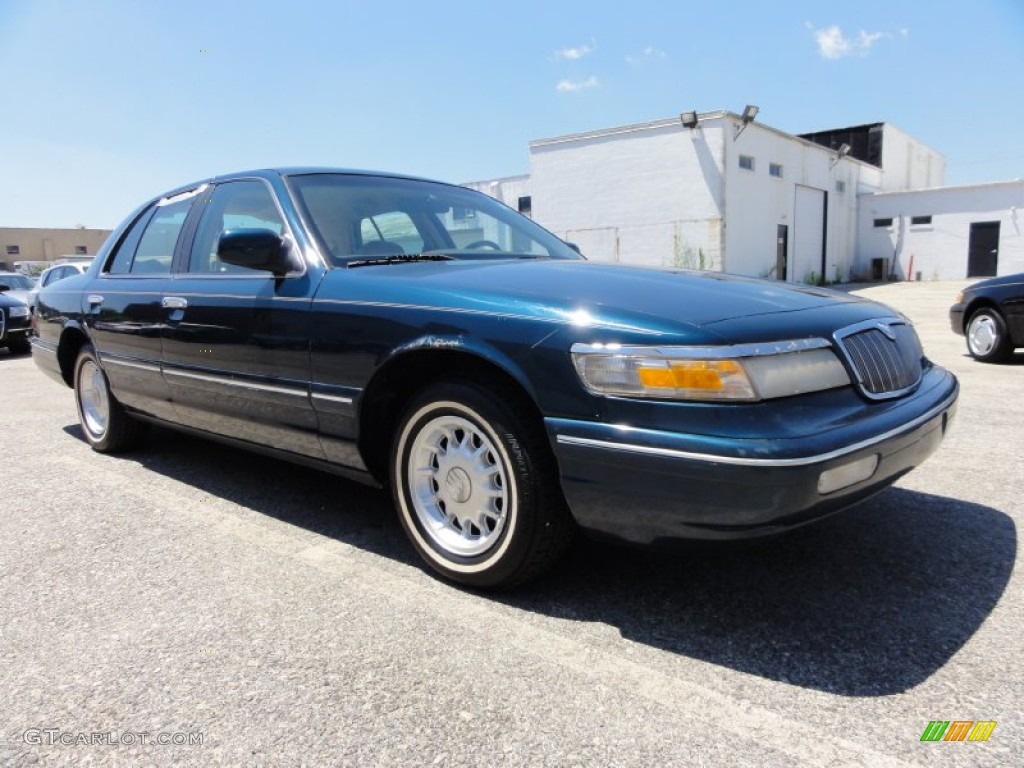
{"x":574,"y":247}
{"x":256,"y":249}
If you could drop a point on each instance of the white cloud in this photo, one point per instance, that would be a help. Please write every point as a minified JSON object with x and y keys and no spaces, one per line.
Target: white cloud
{"x":568,"y":86}
{"x":833,"y":44}
{"x":577,"y":52}
{"x":650,"y":52}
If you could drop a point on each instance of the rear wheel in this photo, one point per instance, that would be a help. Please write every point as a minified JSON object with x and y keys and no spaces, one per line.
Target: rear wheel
{"x":987,"y":338}
{"x":475,"y":486}
{"x":106,"y":425}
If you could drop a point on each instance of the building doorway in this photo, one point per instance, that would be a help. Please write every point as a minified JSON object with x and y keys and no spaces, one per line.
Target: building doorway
{"x":809,"y":234}
{"x":983,"y":250}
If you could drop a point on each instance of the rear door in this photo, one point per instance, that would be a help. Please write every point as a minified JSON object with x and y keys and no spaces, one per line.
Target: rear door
{"x":122,"y":306}
{"x":236,"y":340}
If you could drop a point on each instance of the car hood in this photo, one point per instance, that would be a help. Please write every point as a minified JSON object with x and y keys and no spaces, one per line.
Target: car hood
{"x":611,"y":297}
{"x":996,"y":281}
{"x":23,"y":297}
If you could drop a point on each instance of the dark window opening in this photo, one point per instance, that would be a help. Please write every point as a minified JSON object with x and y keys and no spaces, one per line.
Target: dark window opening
{"x":525,"y":205}
{"x":883,"y":222}
{"x":775,"y":169}
{"x":920,"y":219}
{"x":81,"y":250}
{"x":747,"y":162}
{"x":13,"y":250}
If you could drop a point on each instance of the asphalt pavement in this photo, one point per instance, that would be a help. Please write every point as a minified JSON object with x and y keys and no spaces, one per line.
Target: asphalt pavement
{"x":251,"y":612}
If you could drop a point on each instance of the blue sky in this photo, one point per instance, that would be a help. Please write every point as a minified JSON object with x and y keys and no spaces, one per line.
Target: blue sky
{"x":108,"y":103}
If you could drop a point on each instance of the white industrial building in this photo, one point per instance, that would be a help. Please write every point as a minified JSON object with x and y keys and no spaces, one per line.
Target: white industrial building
{"x":723,"y":191}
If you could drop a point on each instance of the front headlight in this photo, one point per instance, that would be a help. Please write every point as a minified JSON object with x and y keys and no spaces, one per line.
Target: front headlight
{"x":21,"y":311}
{"x":744,"y":373}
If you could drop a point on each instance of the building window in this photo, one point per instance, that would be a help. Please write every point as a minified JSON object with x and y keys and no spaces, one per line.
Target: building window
{"x":841,"y":187}
{"x":81,"y":250}
{"x":526,"y":205}
{"x":13,"y":250}
{"x":883,"y":222}
{"x":747,"y":162}
{"x":920,"y":219}
{"x":461,"y":214}
{"x":775,"y":169}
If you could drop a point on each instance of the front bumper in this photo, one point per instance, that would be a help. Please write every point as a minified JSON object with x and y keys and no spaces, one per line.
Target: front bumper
{"x":956,"y":318}
{"x":644,"y":485}
{"x":15,"y":328}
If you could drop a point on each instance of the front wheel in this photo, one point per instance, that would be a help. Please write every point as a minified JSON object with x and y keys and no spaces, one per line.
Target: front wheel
{"x":987,"y":338}
{"x":19,"y":346}
{"x":475,"y":485}
{"x":107,"y":427}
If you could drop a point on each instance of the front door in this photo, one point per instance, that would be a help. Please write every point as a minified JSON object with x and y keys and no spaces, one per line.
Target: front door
{"x":983,"y":251}
{"x":236,"y":340}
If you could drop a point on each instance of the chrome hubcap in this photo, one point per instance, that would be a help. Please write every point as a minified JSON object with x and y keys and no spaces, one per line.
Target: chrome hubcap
{"x":93,"y":398}
{"x":459,"y":485}
{"x":982,"y":335}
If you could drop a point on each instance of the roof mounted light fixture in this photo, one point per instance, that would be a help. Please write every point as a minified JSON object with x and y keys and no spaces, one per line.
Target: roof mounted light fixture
{"x":843,"y":151}
{"x":689,"y":119}
{"x":749,"y":113}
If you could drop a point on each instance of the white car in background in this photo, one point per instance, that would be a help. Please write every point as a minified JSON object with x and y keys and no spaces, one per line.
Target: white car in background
{"x":55,"y":273}
{"x":19,"y":286}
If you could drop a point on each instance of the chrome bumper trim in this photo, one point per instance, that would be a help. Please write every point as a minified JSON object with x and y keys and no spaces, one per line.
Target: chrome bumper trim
{"x":672,"y":453}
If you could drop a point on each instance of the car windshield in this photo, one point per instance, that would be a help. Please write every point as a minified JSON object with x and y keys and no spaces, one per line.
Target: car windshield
{"x":17,"y":282}
{"x":381,"y":220}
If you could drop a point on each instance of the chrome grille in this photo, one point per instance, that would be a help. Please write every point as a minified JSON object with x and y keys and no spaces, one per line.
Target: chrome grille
{"x":885,"y":356}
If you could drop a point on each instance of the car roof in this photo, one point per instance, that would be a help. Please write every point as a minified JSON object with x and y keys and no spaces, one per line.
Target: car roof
{"x":269,"y":173}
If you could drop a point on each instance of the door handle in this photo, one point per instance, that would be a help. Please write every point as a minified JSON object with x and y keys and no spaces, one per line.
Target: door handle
{"x":174,"y":302}
{"x":94,"y":299}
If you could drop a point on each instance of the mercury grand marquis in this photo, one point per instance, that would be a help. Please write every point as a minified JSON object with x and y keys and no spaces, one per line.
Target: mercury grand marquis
{"x":424,"y":337}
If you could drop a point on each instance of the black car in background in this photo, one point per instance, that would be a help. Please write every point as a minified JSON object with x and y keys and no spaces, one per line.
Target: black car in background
{"x":991,"y":315}
{"x":14,"y":322}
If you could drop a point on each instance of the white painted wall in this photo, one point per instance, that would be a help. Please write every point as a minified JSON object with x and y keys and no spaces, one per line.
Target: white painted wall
{"x":507,"y":189}
{"x":661,"y":194}
{"x":939,"y":249}
{"x":757,"y":203}
{"x":909,"y":164}
{"x":641,"y":194}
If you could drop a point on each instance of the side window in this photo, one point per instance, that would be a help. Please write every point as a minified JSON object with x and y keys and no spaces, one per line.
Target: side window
{"x":383,"y":232}
{"x":122,"y":258}
{"x":156,"y":248}
{"x":234,"y":205}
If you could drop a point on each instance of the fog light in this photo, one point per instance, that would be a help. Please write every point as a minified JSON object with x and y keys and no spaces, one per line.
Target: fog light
{"x":832,"y":480}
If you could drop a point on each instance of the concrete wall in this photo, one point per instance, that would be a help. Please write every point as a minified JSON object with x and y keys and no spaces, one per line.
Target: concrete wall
{"x":641,"y":194}
{"x":507,"y":189}
{"x":757,"y":203}
{"x":909,"y":164}
{"x":940,"y":249}
{"x":662,"y":194}
{"x":47,"y":244}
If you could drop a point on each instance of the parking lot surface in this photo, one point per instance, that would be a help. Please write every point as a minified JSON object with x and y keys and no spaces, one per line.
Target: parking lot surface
{"x":192,"y":592}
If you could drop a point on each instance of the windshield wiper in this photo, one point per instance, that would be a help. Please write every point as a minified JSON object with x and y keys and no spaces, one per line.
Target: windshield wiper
{"x":406,"y":258}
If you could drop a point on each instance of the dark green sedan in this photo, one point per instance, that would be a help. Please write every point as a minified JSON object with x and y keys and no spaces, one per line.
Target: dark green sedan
{"x":426,"y":338}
